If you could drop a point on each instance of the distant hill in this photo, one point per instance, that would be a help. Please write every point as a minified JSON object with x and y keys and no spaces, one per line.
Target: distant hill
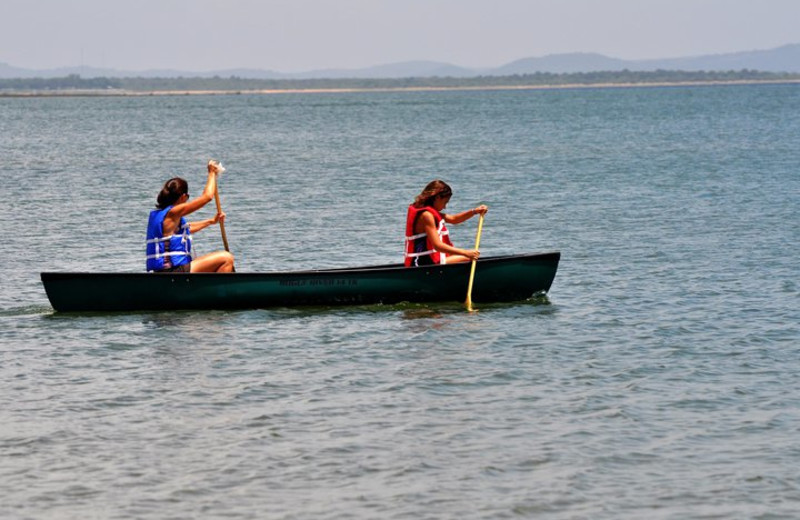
{"x":7,"y":71}
{"x":563,"y":64}
{"x":781,"y":59}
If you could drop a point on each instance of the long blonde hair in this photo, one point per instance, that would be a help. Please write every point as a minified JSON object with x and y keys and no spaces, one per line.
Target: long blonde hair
{"x":431,"y":191}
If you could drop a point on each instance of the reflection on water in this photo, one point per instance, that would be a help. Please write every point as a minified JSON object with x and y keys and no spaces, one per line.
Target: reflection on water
{"x":422,"y":313}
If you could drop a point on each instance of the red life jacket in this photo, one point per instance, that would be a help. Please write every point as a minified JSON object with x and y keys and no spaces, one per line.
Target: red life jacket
{"x":419,"y":249}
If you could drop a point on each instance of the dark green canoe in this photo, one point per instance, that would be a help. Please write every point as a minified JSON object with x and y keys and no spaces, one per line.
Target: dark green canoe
{"x":497,"y":279}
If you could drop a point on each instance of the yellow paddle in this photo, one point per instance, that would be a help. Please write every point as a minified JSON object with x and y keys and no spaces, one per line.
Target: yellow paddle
{"x":472,"y":269}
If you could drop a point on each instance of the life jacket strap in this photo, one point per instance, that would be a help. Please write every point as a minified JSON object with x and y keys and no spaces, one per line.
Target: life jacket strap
{"x":416,"y":255}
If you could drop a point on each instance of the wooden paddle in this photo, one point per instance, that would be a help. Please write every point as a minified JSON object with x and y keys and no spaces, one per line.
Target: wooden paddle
{"x":472,"y":269}
{"x":219,"y":210}
{"x":221,"y":223}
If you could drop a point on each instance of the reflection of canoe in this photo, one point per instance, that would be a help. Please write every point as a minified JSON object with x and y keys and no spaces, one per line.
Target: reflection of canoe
{"x":497,"y":279}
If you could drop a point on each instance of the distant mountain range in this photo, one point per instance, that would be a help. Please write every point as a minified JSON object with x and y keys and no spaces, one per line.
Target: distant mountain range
{"x":781,"y":59}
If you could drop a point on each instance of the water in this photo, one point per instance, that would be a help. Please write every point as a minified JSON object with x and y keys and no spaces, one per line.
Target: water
{"x":659,"y":378}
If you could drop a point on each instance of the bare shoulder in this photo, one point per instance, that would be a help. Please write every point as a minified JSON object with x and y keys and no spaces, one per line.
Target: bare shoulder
{"x":177,"y":211}
{"x":424,"y":220}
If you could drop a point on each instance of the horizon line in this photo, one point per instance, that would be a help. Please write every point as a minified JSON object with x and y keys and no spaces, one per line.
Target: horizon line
{"x":389,"y":64}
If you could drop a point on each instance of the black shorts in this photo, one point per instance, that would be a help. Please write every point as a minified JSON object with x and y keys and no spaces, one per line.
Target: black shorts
{"x":185,"y":268}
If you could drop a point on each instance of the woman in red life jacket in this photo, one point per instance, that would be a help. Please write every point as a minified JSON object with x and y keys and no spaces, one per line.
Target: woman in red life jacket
{"x":427,"y":238}
{"x":169,"y":234}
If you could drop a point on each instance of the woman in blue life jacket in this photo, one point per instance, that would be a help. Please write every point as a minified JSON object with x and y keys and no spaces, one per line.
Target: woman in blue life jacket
{"x":427,"y":238}
{"x":169,"y":234}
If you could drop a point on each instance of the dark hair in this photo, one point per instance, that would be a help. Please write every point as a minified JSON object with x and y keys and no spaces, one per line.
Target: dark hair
{"x":431,"y":191}
{"x":171,"y":192}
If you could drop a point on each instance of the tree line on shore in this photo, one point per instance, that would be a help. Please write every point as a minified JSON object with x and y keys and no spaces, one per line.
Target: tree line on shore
{"x":238,"y":84}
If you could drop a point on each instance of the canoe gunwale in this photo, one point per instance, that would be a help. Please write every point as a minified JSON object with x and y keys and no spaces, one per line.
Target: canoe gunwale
{"x":332,"y":270}
{"x":498,"y":279}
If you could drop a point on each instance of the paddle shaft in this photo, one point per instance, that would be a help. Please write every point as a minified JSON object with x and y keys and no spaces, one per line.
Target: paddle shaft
{"x":474,"y":262}
{"x":221,"y":223}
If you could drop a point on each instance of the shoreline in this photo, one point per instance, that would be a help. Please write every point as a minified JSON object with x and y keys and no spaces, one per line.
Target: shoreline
{"x":334,"y":90}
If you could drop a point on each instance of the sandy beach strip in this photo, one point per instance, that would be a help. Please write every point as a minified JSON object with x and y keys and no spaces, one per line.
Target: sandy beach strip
{"x":333,"y":90}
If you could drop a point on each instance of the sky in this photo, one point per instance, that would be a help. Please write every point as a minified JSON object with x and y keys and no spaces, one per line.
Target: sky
{"x":303,"y":35}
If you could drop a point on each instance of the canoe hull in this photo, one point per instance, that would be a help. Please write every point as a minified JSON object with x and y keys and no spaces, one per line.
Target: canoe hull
{"x":498,"y":279}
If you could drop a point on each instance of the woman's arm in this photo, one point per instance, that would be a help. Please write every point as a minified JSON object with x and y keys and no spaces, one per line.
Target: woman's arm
{"x":173,"y":218}
{"x":458,"y":218}
{"x":194,"y":227}
{"x":181,"y":210}
{"x":429,"y":225}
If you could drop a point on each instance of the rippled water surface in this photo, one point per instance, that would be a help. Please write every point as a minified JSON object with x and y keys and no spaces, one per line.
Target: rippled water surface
{"x":659,"y":378}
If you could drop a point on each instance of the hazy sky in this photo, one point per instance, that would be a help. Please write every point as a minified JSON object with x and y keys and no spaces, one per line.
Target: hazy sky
{"x":300,"y":35}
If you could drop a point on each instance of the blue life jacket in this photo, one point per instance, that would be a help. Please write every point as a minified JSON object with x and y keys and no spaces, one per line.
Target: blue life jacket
{"x":170,"y":251}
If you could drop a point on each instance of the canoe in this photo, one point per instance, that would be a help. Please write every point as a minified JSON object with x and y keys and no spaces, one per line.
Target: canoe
{"x":497,"y":279}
